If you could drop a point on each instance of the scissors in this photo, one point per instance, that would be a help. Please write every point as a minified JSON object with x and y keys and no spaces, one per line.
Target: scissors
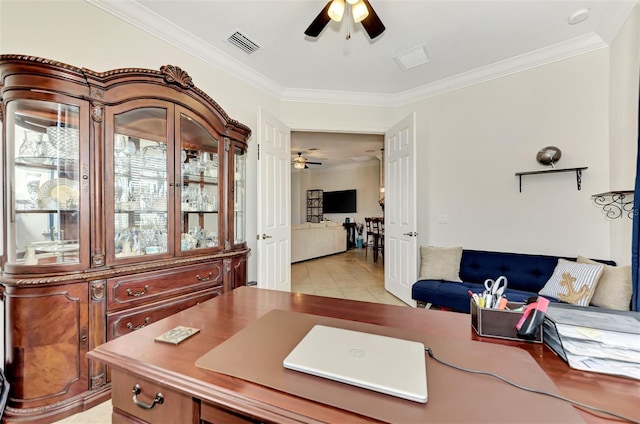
{"x":495,"y":289}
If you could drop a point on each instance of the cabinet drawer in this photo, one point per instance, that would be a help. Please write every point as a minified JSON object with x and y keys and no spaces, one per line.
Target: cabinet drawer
{"x":124,"y":322}
{"x":133,"y":290}
{"x":175,"y":407}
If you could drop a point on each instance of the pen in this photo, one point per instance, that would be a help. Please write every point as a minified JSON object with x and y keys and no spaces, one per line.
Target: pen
{"x":488,"y":300}
{"x":474,"y":296}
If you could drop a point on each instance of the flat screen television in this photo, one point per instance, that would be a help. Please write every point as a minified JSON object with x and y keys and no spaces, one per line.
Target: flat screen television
{"x":343,"y":201}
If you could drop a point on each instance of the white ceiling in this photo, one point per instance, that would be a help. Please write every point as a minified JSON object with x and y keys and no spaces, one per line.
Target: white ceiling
{"x":467,"y":41}
{"x":337,"y":150}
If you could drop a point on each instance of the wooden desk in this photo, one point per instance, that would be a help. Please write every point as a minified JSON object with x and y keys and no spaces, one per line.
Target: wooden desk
{"x":191,"y":393}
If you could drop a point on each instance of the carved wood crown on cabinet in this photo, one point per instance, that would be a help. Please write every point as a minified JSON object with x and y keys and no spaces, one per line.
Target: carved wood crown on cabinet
{"x":124,"y":203}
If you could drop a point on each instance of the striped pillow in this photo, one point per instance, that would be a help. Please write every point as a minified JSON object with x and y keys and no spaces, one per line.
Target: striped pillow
{"x":572,"y":282}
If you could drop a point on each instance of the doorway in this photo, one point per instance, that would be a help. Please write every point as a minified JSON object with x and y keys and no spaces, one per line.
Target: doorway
{"x":340,"y":161}
{"x":400,"y":136}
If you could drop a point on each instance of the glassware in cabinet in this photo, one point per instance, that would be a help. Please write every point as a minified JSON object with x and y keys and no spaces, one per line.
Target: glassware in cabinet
{"x":46,"y":185}
{"x":200,"y":206}
{"x":139,"y":160}
{"x":239,"y":195}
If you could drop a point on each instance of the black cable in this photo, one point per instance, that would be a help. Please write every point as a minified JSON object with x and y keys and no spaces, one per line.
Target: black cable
{"x":528,"y":389}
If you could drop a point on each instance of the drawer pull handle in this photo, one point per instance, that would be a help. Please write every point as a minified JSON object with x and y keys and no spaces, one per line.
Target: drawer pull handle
{"x":137,"y":294}
{"x":159,"y":399}
{"x":132,"y":328}
{"x":207,"y":278}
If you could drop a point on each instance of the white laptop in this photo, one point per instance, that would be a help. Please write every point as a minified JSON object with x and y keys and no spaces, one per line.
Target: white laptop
{"x":384,"y":364}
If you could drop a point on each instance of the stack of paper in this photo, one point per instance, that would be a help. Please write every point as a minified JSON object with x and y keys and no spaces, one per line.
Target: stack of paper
{"x":595,"y":339}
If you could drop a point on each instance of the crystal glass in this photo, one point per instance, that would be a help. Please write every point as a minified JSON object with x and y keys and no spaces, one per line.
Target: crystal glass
{"x":44,"y":180}
{"x":200,"y":192}
{"x":239,"y":195}
{"x":140,"y":165}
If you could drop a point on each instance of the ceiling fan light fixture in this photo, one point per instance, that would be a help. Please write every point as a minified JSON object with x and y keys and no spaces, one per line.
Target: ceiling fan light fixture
{"x":336,"y":10}
{"x":299,"y":165}
{"x":359,"y":11}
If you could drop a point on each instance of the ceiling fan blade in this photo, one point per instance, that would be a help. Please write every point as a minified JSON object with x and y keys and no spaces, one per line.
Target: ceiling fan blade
{"x":372,"y":23}
{"x":319,"y":22}
{"x":313,"y":163}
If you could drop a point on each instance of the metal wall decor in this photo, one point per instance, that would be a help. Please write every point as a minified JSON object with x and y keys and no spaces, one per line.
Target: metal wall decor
{"x":615,"y":204}
{"x":549,"y":155}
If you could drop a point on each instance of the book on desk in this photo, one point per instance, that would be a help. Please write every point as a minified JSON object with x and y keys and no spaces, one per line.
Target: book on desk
{"x":595,"y":339}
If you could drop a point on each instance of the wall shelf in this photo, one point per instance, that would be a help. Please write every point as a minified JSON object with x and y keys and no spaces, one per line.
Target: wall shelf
{"x":578,"y":172}
{"x":615,"y":204}
{"x":314,"y":206}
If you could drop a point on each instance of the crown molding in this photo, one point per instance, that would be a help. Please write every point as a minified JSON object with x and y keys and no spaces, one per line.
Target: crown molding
{"x":142,"y":18}
{"x":554,"y":53}
{"x":150,"y":22}
{"x":544,"y":56}
{"x":614,"y":18}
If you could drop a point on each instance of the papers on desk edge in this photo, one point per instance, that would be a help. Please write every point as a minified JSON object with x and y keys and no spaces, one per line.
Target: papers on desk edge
{"x":595,"y":339}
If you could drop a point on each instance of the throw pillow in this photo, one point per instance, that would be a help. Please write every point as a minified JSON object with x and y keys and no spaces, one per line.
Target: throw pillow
{"x":614,"y":288}
{"x":572,"y":282}
{"x":440,"y":263}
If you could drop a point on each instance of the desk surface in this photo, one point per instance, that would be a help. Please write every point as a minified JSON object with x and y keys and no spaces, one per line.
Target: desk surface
{"x":224,"y":316}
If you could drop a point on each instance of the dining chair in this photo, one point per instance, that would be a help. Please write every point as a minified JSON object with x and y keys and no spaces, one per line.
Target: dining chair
{"x":370,"y":235}
{"x":377,"y":226}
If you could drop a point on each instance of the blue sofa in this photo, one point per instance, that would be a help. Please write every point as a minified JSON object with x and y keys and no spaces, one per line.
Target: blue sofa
{"x":526,"y":275}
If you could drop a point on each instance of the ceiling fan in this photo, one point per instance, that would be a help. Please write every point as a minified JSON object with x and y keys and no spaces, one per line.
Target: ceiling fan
{"x":300,"y":162}
{"x":361,"y":11}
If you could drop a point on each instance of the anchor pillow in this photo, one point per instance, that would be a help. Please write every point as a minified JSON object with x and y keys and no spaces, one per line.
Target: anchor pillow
{"x":572,"y":282}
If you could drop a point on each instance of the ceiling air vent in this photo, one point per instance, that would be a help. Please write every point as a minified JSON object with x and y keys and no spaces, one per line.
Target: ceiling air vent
{"x":243,"y":42}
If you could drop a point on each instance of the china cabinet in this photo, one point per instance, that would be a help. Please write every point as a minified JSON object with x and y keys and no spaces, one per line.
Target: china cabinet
{"x":123,"y":203}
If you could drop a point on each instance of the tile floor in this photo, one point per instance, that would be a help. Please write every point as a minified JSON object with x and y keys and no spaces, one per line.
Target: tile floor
{"x":348,"y":275}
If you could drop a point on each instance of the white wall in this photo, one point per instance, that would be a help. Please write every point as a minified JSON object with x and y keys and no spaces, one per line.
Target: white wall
{"x":473,"y":140}
{"x":298,"y":199}
{"x":624,"y":55}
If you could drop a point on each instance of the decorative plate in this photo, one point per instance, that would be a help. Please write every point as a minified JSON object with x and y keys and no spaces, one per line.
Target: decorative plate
{"x":59,"y":193}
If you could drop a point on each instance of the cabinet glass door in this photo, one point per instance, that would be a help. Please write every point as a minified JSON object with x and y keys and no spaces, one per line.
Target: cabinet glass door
{"x":239,"y":196}
{"x":44,"y":193}
{"x":200,"y":205}
{"x":140,"y":185}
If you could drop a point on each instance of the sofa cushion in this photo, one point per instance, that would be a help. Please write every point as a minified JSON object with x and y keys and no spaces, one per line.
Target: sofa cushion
{"x":573,"y":282}
{"x":317,"y":225}
{"x":614,"y":289}
{"x":440,"y":263}
{"x":524,"y":272}
{"x":302,"y":226}
{"x":456,"y":295}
